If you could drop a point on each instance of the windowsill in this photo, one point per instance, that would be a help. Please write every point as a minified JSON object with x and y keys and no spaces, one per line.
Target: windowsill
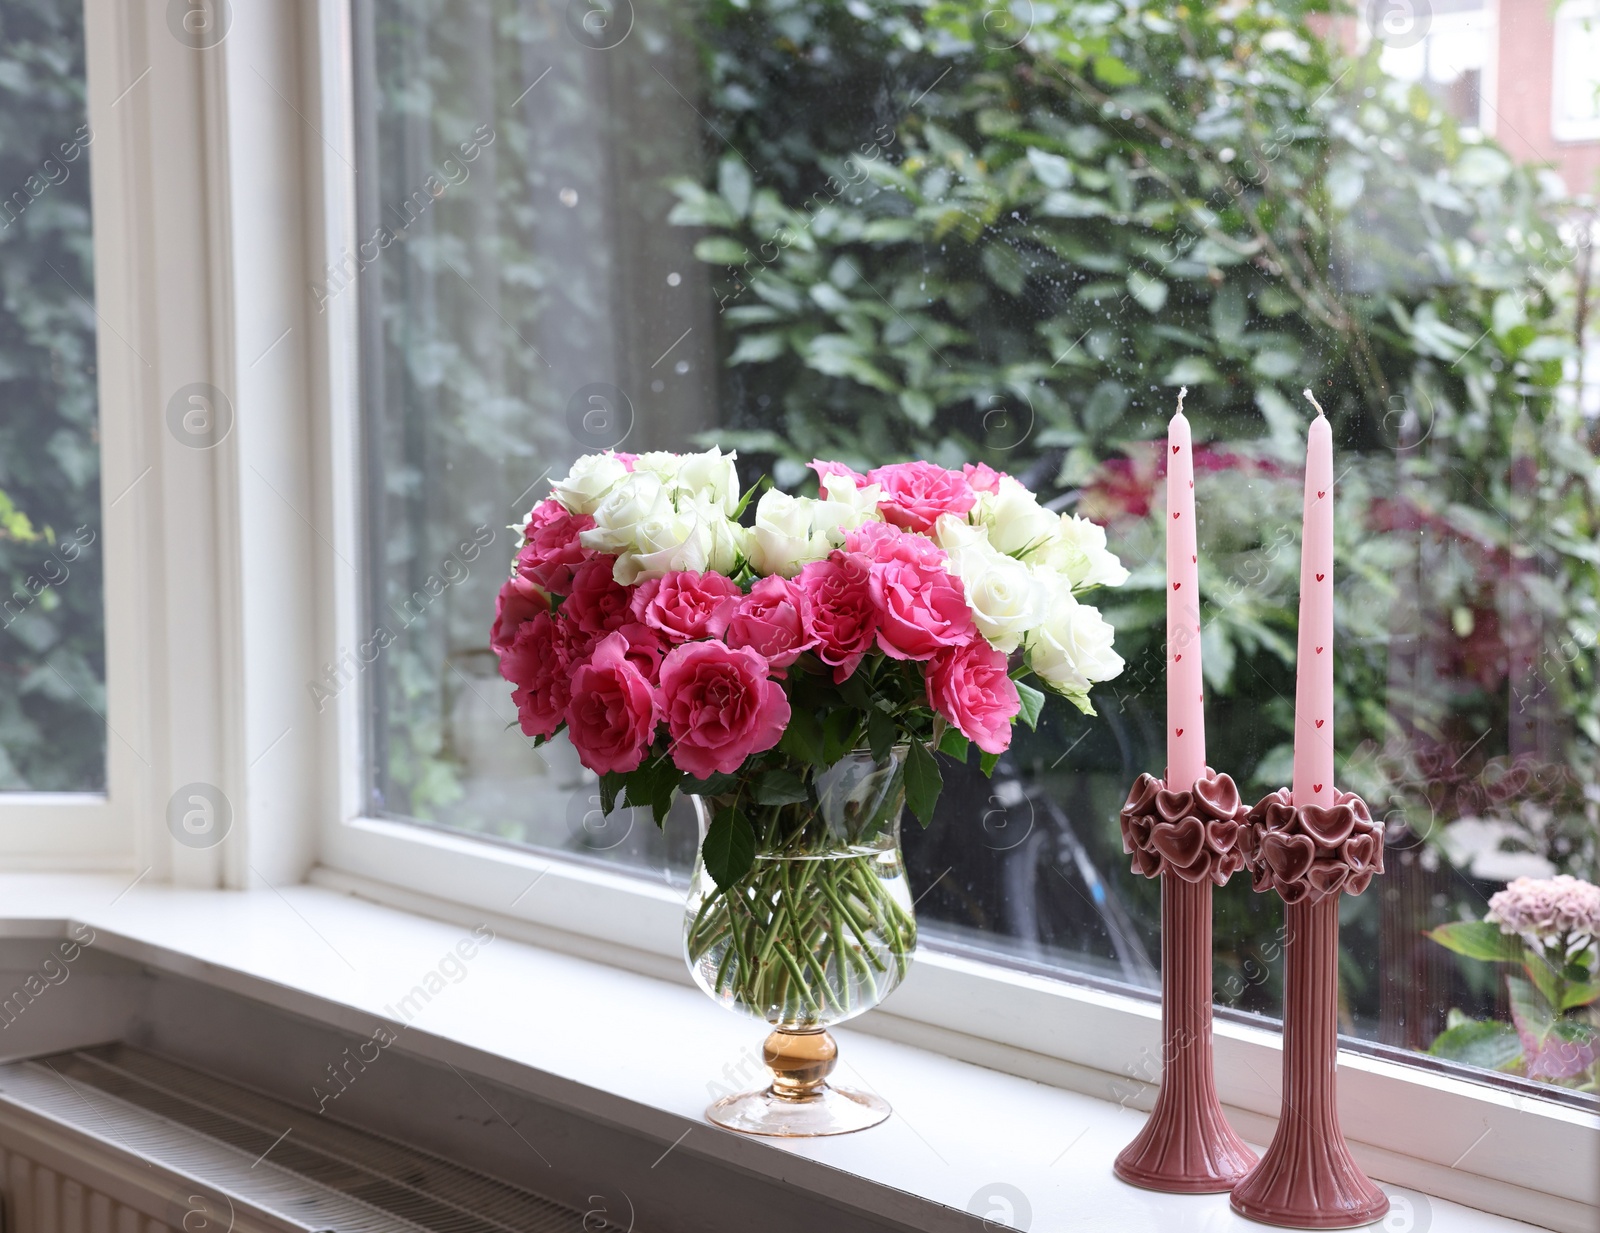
{"x":592,"y":1037}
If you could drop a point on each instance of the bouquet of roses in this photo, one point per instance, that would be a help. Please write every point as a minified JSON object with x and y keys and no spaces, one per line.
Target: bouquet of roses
{"x":680,"y":648}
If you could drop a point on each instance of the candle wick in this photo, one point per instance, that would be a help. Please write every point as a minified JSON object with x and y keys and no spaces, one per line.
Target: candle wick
{"x":1312,"y":399}
{"x":1182,"y":390}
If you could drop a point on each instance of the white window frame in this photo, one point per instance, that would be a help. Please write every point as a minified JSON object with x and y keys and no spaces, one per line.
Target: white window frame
{"x":1568,"y":18}
{"x":100,"y":830}
{"x":224,"y":187}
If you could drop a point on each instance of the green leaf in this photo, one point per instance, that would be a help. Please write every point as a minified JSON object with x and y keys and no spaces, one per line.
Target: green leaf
{"x":955,"y":744}
{"x":758,"y":349}
{"x":1151,"y":293}
{"x":853,"y":689}
{"x":988,"y":762}
{"x":780,"y":787}
{"x":1580,"y":993}
{"x":1479,"y":1042}
{"x":838,"y":735}
{"x":923,"y":782}
{"x":1032,"y":703}
{"x":1530,"y":1009}
{"x":1113,"y":72}
{"x":734,"y":183}
{"x":802,"y":739}
{"x":611,"y":785}
{"x":880,"y":733}
{"x":760,"y":486}
{"x":664,"y":780}
{"x":729,"y":848}
{"x":720,"y":250}
{"x":1544,"y":978}
{"x":1479,"y":939}
{"x":718,"y":784}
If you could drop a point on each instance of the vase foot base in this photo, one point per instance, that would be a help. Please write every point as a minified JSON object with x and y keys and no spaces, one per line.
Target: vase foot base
{"x":827,"y":1111}
{"x":1354,"y":1217}
{"x":1176,"y":1184}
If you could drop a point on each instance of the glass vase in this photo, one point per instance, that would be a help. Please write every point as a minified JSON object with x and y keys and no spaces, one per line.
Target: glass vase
{"x":818,"y":931}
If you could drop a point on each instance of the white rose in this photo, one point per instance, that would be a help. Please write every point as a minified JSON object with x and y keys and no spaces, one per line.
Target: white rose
{"x":844,"y":507}
{"x":660,"y":463}
{"x":1006,"y":596}
{"x":1078,"y":551}
{"x":1016,"y":522}
{"x":637,"y":497}
{"x":1072,"y":649}
{"x":728,"y":541}
{"x":953,"y":533}
{"x":785,"y":536}
{"x":663,"y":543}
{"x":586,"y":485}
{"x":710,"y":477}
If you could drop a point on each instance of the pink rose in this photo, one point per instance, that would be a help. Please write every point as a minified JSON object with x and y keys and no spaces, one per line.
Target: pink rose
{"x":720,"y":707}
{"x":882,"y":541}
{"x":968,"y":685}
{"x":825,"y":469}
{"x":597,"y":604}
{"x":576,"y":644}
{"x":774,"y":620}
{"x":552,"y":550}
{"x":627,"y":460}
{"x":646,"y":649}
{"x":844,"y":616}
{"x":536,"y":663}
{"x":982,"y":477}
{"x":915,"y":494}
{"x":685,"y":606}
{"x":612,"y":716}
{"x":923,"y":607}
{"x":519,"y":600}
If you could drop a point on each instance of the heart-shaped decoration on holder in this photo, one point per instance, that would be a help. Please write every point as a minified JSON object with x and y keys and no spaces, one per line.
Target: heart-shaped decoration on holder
{"x":1289,"y":856}
{"x":1174,"y":805}
{"x":1309,"y":852}
{"x":1330,"y":827}
{"x":1179,"y":842}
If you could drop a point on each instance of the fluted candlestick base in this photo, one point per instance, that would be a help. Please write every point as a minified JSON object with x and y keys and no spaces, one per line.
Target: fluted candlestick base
{"x":1308,"y":1179}
{"x":1187,"y":1146}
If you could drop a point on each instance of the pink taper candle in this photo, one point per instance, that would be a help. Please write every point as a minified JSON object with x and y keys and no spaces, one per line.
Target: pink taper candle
{"x":1186,"y":1146}
{"x":1313,"y":691}
{"x":1308,"y":1179}
{"x":1186,"y":721}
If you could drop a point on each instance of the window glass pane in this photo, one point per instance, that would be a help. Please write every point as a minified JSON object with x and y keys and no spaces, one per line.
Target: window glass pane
{"x":52,"y":648}
{"x":875,"y":230}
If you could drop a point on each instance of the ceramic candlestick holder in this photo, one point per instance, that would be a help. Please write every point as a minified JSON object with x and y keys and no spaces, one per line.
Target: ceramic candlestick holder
{"x":1311,"y":855}
{"x":1192,"y":841}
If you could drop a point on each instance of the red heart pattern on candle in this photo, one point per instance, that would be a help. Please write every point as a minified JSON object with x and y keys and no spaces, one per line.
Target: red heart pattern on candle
{"x":1319,"y":723}
{"x":1316,"y":787}
{"x":1176,"y":585}
{"x":1321,"y":494}
{"x":1319,"y":577}
{"x":1174,"y":449}
{"x":1319,"y":650}
{"x":1174,"y":513}
{"x":1177,"y":659}
{"x":1180,"y":731}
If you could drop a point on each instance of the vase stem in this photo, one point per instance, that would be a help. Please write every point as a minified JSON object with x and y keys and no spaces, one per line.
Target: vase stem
{"x":1308,"y":1179}
{"x":1186,"y":1146}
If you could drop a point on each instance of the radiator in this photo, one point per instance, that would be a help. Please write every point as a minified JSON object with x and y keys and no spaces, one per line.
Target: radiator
{"x":118,"y":1140}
